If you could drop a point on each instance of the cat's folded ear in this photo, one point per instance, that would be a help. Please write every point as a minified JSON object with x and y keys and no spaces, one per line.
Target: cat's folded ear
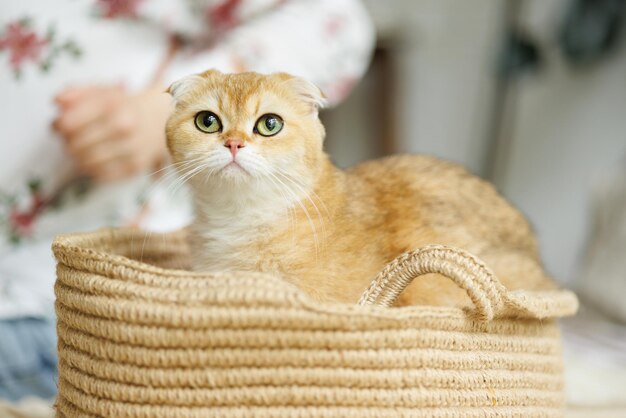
{"x":182,"y":87}
{"x":307,"y":91}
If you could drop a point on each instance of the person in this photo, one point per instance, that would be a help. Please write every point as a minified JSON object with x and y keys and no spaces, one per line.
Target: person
{"x":83,"y":118}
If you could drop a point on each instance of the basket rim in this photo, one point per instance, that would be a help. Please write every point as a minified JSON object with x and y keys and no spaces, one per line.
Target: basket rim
{"x":91,"y":247}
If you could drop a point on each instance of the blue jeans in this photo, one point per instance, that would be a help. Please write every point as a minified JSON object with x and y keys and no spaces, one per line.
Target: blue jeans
{"x":28,"y":359}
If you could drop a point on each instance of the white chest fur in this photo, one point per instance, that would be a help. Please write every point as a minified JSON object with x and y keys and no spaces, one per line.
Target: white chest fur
{"x":232,"y":225}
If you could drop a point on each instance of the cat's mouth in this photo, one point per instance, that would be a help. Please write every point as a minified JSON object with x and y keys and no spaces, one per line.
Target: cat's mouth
{"x":233,"y":167}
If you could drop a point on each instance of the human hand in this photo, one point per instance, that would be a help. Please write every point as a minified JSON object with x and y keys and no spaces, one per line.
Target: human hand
{"x":110,"y":133}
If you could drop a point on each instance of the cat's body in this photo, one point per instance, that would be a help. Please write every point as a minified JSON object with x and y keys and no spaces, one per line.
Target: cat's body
{"x":285,"y":209}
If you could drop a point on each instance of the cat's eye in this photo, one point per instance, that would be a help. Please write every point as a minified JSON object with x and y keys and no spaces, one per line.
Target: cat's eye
{"x":269,"y":125}
{"x":208,"y":122}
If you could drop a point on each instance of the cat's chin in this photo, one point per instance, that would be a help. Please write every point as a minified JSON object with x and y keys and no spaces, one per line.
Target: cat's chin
{"x":234,"y":170}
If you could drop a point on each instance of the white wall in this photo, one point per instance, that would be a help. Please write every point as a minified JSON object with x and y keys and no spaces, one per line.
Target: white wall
{"x":445,"y":66}
{"x":568,"y":125}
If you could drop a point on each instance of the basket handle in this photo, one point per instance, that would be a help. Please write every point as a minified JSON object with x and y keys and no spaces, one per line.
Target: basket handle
{"x":466,"y":270}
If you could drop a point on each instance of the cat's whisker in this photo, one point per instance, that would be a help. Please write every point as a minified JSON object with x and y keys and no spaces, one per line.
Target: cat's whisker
{"x":308,"y":192}
{"x":263,"y":167}
{"x":175,"y":167}
{"x":257,"y":167}
{"x":315,"y":195}
{"x":304,"y":189}
{"x":197,"y":165}
{"x":306,"y":212}
{"x":187,"y":176}
{"x":143,"y":245}
{"x":308,"y":197}
{"x":159,"y":182}
{"x":295,"y":198}
{"x":293,"y":219}
{"x":169,"y":166}
{"x":176,"y":182}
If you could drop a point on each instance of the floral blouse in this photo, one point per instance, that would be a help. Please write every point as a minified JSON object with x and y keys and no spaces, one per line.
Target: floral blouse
{"x":46,"y":46}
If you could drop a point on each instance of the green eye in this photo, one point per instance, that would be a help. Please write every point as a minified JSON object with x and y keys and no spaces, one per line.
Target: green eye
{"x":208,"y":122}
{"x":269,"y":125}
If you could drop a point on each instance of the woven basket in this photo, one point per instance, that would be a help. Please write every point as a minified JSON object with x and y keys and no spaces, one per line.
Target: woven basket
{"x":148,"y":339}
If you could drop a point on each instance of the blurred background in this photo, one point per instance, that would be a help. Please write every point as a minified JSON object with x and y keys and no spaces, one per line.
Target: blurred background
{"x":528,"y":94}
{"x":531,"y":95}
{"x":543,"y":131}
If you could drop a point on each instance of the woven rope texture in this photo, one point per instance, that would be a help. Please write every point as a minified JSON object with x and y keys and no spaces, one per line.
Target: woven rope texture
{"x":139,"y":336}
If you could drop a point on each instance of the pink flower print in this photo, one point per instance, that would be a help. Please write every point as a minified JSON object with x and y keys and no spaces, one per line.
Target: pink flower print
{"x":223,"y":16}
{"x":22,"y":221}
{"x":112,"y":9}
{"x":22,"y":43}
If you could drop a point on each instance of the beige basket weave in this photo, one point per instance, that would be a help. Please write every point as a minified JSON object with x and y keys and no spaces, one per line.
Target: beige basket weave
{"x":143,"y":339}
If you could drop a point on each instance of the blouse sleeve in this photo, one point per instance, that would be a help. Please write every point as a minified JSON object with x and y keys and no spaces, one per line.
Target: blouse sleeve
{"x":328,"y":42}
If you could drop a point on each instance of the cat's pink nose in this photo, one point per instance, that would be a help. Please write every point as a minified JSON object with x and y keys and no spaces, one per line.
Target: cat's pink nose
{"x":234,"y":146}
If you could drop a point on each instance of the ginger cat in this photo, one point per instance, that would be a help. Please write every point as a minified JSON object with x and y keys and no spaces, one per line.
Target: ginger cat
{"x":267,"y":198}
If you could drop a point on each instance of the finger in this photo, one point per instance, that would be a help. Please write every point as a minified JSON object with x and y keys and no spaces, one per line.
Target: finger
{"x":115,"y":172}
{"x":118,"y":127}
{"x":70,"y":95}
{"x":89,"y":137}
{"x":86,"y":111}
{"x":108,"y":161}
{"x":101,"y":131}
{"x":117,"y":168}
{"x":101,"y":154}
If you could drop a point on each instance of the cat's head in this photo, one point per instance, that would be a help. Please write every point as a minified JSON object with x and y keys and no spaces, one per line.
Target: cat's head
{"x":245,"y":128}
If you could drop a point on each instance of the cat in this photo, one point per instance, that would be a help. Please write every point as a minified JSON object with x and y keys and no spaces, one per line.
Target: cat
{"x":268,"y":198}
